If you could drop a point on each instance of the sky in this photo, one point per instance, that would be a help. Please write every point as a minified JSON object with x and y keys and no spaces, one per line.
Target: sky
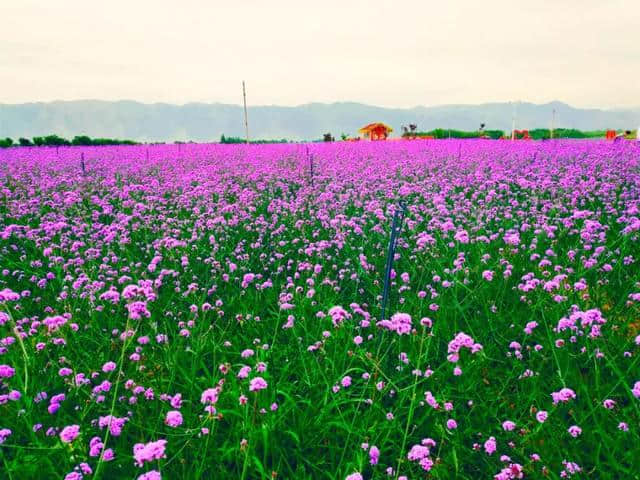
{"x":386,"y":53}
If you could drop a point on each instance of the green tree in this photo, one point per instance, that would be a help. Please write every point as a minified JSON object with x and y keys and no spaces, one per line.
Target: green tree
{"x":56,"y":141}
{"x":81,"y":140}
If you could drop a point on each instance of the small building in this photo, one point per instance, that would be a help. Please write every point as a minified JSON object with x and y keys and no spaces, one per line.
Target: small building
{"x":376,"y":131}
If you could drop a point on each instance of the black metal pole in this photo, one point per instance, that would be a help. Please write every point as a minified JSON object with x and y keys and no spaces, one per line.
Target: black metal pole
{"x":396,"y":228}
{"x":310,"y":157}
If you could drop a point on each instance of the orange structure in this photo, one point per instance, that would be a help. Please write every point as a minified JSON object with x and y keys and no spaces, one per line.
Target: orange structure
{"x":521,"y":135}
{"x":376,"y":131}
{"x":611,"y":135}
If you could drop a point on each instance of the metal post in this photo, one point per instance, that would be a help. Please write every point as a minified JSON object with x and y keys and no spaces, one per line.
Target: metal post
{"x":310,"y":157}
{"x":246,"y":123}
{"x":396,"y":228}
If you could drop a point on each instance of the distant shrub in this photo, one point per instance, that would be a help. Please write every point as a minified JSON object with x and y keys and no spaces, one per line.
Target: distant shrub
{"x":545,"y":133}
{"x":236,"y":140}
{"x":81,"y":140}
{"x":56,"y":141}
{"x":6,"y":143}
{"x":25,"y":142}
{"x":450,"y":133}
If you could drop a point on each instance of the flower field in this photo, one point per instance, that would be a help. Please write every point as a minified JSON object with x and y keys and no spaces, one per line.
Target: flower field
{"x":214,"y":311}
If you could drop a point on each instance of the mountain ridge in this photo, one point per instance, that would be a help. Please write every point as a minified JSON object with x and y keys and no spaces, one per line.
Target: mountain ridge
{"x":201,"y":121}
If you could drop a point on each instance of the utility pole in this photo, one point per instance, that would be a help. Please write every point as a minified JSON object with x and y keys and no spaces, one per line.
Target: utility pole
{"x":246,"y":123}
{"x":513,"y":123}
{"x":553,"y":121}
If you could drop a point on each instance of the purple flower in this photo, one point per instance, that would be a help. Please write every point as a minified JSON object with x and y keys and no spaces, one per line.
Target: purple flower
{"x":108,"y":367}
{"x":257,"y":383}
{"x":564,"y":395}
{"x":69,"y":433}
{"x":210,"y":395}
{"x":636,"y":389}
{"x":508,"y":425}
{"x":374,"y":455}
{"x":6,"y":371}
{"x":148,"y":452}
{"x":173,"y":419}
{"x":574,"y":431}
{"x":150,"y":475}
{"x":490,"y":445}
{"x":4,"y":434}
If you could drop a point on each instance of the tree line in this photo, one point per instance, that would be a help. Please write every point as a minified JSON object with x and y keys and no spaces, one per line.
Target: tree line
{"x":535,"y":134}
{"x":56,"y":141}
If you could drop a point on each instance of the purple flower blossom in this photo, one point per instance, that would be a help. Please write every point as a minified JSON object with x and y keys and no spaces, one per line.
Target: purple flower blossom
{"x":257,"y":383}
{"x":69,"y":433}
{"x":148,"y":452}
{"x":173,"y":418}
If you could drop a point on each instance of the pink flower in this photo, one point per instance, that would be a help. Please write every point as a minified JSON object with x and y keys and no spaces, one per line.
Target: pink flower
{"x":115,"y":424}
{"x":574,"y":431}
{"x":69,"y":433}
{"x":149,"y":452}
{"x":257,"y":384}
{"x":399,"y":323}
{"x":452,"y":424}
{"x":150,"y":475}
{"x":418,"y":452}
{"x":6,"y":371}
{"x":636,"y":390}
{"x":541,"y":416}
{"x":210,"y":395}
{"x":4,"y":434}
{"x":490,"y":445}
{"x":108,"y":367}
{"x":566,"y":394}
{"x":508,"y":425}
{"x":338,"y":315}
{"x":354,"y":476}
{"x":173,"y":419}
{"x":374,"y":455}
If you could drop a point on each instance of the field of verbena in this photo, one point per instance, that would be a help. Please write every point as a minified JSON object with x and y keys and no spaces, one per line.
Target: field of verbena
{"x":208,"y":311}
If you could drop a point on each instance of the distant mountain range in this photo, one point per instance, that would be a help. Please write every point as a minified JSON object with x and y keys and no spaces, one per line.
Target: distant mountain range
{"x":206,"y":122}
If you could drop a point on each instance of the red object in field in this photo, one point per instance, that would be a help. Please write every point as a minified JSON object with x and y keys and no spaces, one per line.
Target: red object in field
{"x":521,"y":135}
{"x":611,"y":135}
{"x":376,"y":131}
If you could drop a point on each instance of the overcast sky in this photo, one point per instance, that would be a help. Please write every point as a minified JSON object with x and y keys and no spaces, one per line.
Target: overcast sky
{"x":388,"y":53}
